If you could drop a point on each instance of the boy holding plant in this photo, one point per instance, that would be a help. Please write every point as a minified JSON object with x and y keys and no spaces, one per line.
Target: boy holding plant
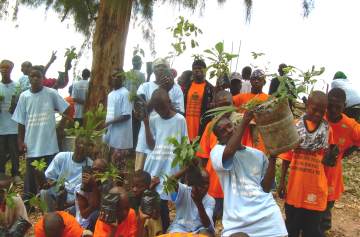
{"x":167,"y":123}
{"x":307,"y":189}
{"x":246,"y":176}
{"x":8,"y":127}
{"x":346,"y":133}
{"x":35,"y":115}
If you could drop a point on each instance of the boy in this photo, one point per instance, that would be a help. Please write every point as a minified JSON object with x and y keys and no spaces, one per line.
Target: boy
{"x":346,"y":133}
{"x":161,"y":70}
{"x":35,"y":115}
{"x":151,"y":225}
{"x":252,"y":137}
{"x":307,"y":189}
{"x":167,"y":123}
{"x":126,"y":223}
{"x":8,"y":214}
{"x":79,"y":93}
{"x":235,"y":83}
{"x":198,"y":96}
{"x":118,"y":115}
{"x":8,"y":127}
{"x":24,"y":80}
{"x":58,"y":224}
{"x":67,"y":166}
{"x":245,"y":83}
{"x":246,"y":176}
{"x":194,"y":207}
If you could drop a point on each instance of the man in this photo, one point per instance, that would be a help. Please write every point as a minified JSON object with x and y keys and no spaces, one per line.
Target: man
{"x":235,"y":83}
{"x":246,"y":176}
{"x":24,"y":80}
{"x":352,"y":104}
{"x":132,"y":84}
{"x":246,"y":85}
{"x":79,"y":93}
{"x":35,"y":115}
{"x":8,"y":127}
{"x":198,"y":96}
{"x":66,"y":166}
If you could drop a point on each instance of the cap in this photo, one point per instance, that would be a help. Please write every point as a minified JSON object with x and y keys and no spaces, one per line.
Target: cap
{"x":160,"y":61}
{"x":257,"y":74}
{"x":235,"y":76}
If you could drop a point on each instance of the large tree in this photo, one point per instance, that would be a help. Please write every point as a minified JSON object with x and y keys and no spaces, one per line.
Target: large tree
{"x":107,"y":22}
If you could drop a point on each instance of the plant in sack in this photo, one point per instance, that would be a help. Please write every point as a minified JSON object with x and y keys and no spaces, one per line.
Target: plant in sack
{"x":150,"y":203}
{"x":111,"y":174}
{"x":109,"y":205}
{"x":39,"y":171}
{"x":184,"y":157}
{"x":19,"y":228}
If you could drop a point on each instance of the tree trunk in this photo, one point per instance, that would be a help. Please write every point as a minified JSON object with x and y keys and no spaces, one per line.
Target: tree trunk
{"x":108,"y":47}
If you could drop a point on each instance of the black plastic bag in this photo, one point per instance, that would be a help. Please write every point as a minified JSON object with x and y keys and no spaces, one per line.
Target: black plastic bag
{"x":19,"y":228}
{"x":4,"y":232}
{"x":150,"y":202}
{"x":109,"y":205}
{"x":60,"y":198}
{"x":331,"y":156}
{"x":140,"y":108}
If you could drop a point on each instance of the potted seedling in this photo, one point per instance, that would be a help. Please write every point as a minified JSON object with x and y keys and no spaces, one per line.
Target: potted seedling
{"x":39,"y":172}
{"x":92,"y":128}
{"x":15,"y":99}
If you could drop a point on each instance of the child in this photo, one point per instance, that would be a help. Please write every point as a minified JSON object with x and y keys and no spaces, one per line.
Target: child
{"x":80,"y":89}
{"x":118,"y":115}
{"x":246,"y":176}
{"x":158,"y":129}
{"x":194,"y":207}
{"x":307,"y":190}
{"x":126,"y":223}
{"x":35,"y":115}
{"x":161,"y":70}
{"x":24,"y":79}
{"x":235,"y":83}
{"x":346,"y":133}
{"x":251,"y":137}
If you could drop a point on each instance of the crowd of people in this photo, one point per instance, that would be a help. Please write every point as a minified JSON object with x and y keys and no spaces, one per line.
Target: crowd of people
{"x":231,"y":179}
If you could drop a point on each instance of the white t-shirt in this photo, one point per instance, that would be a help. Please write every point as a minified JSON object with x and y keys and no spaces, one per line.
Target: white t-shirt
{"x":187,"y":219}
{"x":36,"y":111}
{"x":7,"y":125}
{"x":80,"y":89}
{"x":159,"y":160}
{"x":119,"y":135}
{"x":63,"y":166}
{"x":177,"y":100}
{"x":247,"y":208}
{"x":245,"y":86}
{"x":352,"y":93}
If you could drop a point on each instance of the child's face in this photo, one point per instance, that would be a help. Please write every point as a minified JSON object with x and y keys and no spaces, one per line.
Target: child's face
{"x":225,"y":130}
{"x":335,"y":108}
{"x":5,"y":70}
{"x":35,"y":79}
{"x":138,"y":187}
{"x":223,"y":101}
{"x":163,"y":109}
{"x":315,"y":110}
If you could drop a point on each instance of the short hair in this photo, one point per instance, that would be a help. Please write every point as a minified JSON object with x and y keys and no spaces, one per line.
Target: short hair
{"x":144,"y":176}
{"x":239,"y":234}
{"x":85,"y":73}
{"x":38,"y":68}
{"x":160,"y":95}
{"x":199,"y":63}
{"x":7,"y":62}
{"x":136,"y":59}
{"x":337,"y":93}
{"x":317,"y":95}
{"x":27,"y":63}
{"x":52,"y":221}
{"x":246,"y":72}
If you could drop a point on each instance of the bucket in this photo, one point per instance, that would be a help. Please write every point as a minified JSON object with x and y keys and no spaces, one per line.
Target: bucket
{"x":275,"y":123}
{"x":68,"y":143}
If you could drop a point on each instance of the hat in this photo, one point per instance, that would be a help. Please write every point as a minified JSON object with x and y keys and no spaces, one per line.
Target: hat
{"x":257,"y":74}
{"x":160,"y":61}
{"x":235,"y":76}
{"x":340,"y":75}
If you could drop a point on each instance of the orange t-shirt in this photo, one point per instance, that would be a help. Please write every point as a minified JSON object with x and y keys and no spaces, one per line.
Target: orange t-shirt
{"x":207,"y":142}
{"x":72,"y":227}
{"x":71,"y":102}
{"x":248,"y":137}
{"x":307,"y":183}
{"x":193,"y":108}
{"x":127,"y":228}
{"x":182,"y":235}
{"x":346,"y":134}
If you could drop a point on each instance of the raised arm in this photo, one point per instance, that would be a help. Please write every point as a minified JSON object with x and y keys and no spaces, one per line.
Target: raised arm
{"x":234,"y":142}
{"x":52,"y":59}
{"x":268,"y":180}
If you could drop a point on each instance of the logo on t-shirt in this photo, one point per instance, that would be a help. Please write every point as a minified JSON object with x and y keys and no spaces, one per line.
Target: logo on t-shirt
{"x":311,"y":198}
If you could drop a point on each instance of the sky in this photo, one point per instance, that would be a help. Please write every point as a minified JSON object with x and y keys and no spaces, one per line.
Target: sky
{"x":326,"y":38}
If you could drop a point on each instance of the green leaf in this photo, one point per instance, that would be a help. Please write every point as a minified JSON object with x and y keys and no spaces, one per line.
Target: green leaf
{"x":219,"y":47}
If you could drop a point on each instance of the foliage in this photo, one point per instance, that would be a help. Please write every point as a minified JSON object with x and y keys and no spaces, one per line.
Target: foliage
{"x":169,"y":184}
{"x":36,"y":202}
{"x":219,"y":60}
{"x":218,"y":113}
{"x":135,"y":83}
{"x":256,"y":55}
{"x":9,"y":197}
{"x":184,"y":29}
{"x":60,"y":183}
{"x":70,"y":53}
{"x":39,"y":165}
{"x":184,"y":151}
{"x":138,"y":50}
{"x":92,"y":126}
{"x":111,"y":174}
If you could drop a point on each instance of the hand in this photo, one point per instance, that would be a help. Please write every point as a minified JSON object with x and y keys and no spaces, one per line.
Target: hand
{"x":53,"y":56}
{"x":143,"y":216}
{"x":281,"y":191}
{"x":154,"y":182}
{"x":248,"y":116}
{"x":22,"y":147}
{"x":197,"y":195}
{"x":87,"y":179}
{"x":48,"y":184}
